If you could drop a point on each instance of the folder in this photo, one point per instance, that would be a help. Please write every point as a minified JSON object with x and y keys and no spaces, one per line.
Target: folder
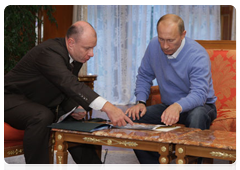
{"x":80,"y":126}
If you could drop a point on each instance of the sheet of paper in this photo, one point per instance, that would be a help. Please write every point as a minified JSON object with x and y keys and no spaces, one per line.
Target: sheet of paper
{"x":142,"y":126}
{"x":164,"y":128}
{"x":136,"y":126}
{"x":65,"y":115}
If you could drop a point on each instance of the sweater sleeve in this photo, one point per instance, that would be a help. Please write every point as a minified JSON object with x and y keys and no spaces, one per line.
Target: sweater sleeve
{"x":145,"y":77}
{"x":200,"y":77}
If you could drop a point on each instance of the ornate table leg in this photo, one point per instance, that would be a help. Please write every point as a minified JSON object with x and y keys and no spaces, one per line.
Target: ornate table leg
{"x":51,"y":147}
{"x":62,"y":154}
{"x":165,"y":152}
{"x":181,"y":154}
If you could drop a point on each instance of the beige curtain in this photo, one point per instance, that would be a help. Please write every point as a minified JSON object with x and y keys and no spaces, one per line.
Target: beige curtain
{"x":80,"y":14}
{"x":233,"y":37}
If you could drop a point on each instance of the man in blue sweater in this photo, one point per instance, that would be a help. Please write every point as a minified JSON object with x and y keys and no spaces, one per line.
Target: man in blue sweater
{"x":182,"y":69}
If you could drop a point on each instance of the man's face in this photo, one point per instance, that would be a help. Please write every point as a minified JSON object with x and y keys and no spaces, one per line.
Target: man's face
{"x":82,"y":49}
{"x":169,"y":37}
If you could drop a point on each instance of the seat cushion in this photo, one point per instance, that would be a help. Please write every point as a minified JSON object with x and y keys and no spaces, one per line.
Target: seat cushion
{"x":154,"y":97}
{"x":12,"y":136}
{"x":225,"y":121}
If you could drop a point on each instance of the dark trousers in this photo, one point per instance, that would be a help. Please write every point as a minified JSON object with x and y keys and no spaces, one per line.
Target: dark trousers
{"x":34,"y":119}
{"x":200,"y":117}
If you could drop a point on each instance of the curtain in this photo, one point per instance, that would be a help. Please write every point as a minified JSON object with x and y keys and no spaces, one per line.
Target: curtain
{"x":233,"y":36}
{"x":202,"y":22}
{"x":80,"y":14}
{"x":123,"y":35}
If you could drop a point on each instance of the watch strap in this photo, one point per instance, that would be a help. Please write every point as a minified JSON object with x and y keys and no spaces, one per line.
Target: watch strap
{"x":141,"y":102}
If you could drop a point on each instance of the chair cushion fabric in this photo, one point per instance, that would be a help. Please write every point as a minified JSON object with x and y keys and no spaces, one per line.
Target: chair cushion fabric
{"x":12,"y":136}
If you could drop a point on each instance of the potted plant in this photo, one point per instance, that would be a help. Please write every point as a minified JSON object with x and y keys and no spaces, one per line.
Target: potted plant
{"x":20,"y":22}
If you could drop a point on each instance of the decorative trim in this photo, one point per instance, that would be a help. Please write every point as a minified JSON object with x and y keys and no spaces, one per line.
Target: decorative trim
{"x":223,"y":155}
{"x":60,"y":147}
{"x":180,"y":150}
{"x":180,"y":161}
{"x":59,"y":137}
{"x":163,"y":160}
{"x":163,"y":148}
{"x":53,"y":142}
{"x":110,"y":141}
{"x":60,"y":159}
{"x":15,"y":152}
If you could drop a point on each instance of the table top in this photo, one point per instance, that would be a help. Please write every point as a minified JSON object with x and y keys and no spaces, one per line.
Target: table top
{"x":209,"y":138}
{"x":183,"y":135}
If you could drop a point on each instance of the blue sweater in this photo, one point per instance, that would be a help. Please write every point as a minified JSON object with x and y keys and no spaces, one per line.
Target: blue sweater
{"x":186,"y":80}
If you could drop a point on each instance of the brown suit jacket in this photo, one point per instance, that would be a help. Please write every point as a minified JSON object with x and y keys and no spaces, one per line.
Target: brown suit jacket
{"x":43,"y":76}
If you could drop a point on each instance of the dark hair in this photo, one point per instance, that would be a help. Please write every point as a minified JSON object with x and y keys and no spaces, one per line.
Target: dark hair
{"x":174,"y":18}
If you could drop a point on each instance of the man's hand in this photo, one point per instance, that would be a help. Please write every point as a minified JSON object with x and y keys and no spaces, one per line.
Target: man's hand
{"x":116,"y":115}
{"x":170,"y":116}
{"x":134,"y":111}
{"x":79,"y":115}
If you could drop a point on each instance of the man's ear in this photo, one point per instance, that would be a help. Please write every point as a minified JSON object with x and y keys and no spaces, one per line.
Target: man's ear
{"x":70,"y":42}
{"x":183,"y":34}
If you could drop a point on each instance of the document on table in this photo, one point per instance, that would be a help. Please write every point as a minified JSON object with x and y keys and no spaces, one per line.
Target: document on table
{"x":142,"y":126}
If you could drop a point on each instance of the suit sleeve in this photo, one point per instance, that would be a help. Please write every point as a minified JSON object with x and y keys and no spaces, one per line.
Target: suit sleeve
{"x":54,"y":67}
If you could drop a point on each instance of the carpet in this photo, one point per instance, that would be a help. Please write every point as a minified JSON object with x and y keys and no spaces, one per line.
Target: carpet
{"x":115,"y":160}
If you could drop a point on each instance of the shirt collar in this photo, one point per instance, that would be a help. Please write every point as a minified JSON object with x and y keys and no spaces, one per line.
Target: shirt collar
{"x":70,"y":59}
{"x":174,"y":55}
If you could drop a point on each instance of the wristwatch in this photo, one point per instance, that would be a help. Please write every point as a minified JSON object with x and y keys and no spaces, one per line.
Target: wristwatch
{"x":141,"y":102}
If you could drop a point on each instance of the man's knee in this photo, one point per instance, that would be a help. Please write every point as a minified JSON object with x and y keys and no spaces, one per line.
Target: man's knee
{"x":42,"y":117}
{"x":198,"y":118}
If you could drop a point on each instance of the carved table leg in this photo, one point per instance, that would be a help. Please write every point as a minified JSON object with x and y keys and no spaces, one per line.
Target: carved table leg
{"x":51,"y":147}
{"x":165,"y":151}
{"x":181,"y":154}
{"x":62,"y":154}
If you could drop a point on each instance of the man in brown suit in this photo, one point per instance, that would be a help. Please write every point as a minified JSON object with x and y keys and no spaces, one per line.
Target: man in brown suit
{"x":44,"y":80}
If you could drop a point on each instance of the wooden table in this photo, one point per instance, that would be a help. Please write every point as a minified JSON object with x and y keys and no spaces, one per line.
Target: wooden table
{"x":88,"y":80}
{"x":207,"y":143}
{"x":135,"y":139}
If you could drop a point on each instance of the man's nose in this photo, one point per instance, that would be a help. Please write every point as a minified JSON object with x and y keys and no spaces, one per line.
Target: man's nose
{"x":165,"y":45}
{"x":90,"y":53}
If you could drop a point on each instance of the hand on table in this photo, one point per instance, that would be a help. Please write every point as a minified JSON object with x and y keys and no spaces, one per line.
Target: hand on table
{"x":116,"y":115}
{"x":79,"y":115}
{"x":171,"y":115}
{"x":134,"y":111}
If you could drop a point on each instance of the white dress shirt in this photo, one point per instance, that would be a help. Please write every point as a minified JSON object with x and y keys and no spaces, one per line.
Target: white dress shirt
{"x":174,"y":55}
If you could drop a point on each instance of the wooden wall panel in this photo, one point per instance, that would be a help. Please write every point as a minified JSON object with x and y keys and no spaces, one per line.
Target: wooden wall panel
{"x":218,"y":44}
{"x":63,"y":15}
{"x":226,"y":21}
